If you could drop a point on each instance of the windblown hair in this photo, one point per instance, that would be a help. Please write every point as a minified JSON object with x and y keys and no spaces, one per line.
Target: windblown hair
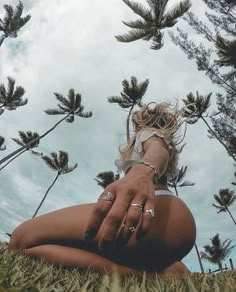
{"x":166,"y":119}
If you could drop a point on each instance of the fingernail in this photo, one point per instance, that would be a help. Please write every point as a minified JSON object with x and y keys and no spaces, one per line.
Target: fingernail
{"x":88,"y":235}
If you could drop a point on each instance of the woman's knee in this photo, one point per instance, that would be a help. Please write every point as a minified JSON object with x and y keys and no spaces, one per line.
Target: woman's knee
{"x":20,"y":238}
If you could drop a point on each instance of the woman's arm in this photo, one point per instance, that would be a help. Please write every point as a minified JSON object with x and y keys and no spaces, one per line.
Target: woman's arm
{"x":135,"y":188}
{"x":156,"y":154}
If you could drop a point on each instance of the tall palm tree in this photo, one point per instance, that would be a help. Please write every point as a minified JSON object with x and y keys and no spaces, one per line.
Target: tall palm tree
{"x":11,"y":98}
{"x":25,"y":138}
{"x":132,"y":95}
{"x":59,"y":163}
{"x":2,"y":146}
{"x":225,"y":199}
{"x":177,"y":181}
{"x":196,"y":106}
{"x":153,"y":20}
{"x":218,"y":251}
{"x":105,"y":178}
{"x":70,"y":107}
{"x":13,"y":21}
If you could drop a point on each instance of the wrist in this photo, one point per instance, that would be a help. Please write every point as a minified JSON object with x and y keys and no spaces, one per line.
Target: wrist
{"x":146,"y":170}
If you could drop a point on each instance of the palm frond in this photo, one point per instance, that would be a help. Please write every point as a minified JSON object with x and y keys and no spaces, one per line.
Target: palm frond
{"x":2,"y":146}
{"x":140,"y":10}
{"x":138,"y":24}
{"x":105,"y":178}
{"x":85,"y":115}
{"x":65,"y":103}
{"x":133,"y":35}
{"x":54,"y":112}
{"x":69,"y":169}
{"x":50,"y":162}
{"x":226,"y":50}
{"x":63,"y":159}
{"x":171,"y":18}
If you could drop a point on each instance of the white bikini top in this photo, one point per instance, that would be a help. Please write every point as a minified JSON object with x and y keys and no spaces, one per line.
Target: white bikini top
{"x":137,"y":152}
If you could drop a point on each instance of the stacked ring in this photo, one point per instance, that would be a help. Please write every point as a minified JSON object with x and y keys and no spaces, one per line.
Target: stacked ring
{"x":151,"y":211}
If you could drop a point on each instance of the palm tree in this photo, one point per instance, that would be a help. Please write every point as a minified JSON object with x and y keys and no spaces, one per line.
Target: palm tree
{"x":225,"y":198}
{"x":11,"y":98}
{"x":57,"y":163}
{"x":218,"y":251}
{"x":131,"y":96}
{"x":12,"y":22}
{"x":226,"y":51}
{"x":153,"y":20}
{"x":195,"y":109}
{"x":69,"y":107}
{"x":105,"y":178}
{"x":2,"y":146}
{"x":176,"y":181}
{"x":25,"y":138}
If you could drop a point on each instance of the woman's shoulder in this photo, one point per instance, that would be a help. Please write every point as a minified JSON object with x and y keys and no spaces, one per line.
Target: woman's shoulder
{"x":145,"y":133}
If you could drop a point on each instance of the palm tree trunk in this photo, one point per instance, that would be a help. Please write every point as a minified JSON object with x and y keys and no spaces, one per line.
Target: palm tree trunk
{"x":32,"y":141}
{"x":176,"y":192}
{"x":220,"y":265}
{"x":35,"y":213}
{"x":195,"y":245}
{"x":127,"y":124}
{"x":216,"y":136}
{"x":13,"y":159}
{"x":199,"y":258}
{"x":231,"y":215}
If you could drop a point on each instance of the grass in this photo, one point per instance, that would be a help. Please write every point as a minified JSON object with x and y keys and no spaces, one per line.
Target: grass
{"x":23,"y":274}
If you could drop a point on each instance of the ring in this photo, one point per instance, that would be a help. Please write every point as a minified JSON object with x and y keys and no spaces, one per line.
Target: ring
{"x":108,"y":197}
{"x":137,"y":205}
{"x":151,"y":211}
{"x":132,"y":229}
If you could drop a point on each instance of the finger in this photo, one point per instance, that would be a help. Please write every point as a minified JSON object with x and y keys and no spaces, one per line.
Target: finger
{"x":148,"y":215}
{"x":112,"y":223}
{"x":98,"y":214}
{"x":132,"y":220}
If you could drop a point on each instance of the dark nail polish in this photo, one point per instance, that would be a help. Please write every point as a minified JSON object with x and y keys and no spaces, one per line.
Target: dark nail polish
{"x":88,"y":235}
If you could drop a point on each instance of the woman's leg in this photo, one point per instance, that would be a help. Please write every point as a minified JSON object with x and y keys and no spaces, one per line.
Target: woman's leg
{"x":78,"y":258}
{"x":58,"y":237}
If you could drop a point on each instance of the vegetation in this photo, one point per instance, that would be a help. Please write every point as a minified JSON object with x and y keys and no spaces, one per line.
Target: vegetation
{"x":18,"y":273}
{"x":131,"y":96}
{"x":155,"y":18}
{"x":70,"y":107}
{"x":13,"y":21}
{"x":58,"y":162}
{"x":225,"y":199}
{"x":219,"y":67}
{"x":217,"y":251}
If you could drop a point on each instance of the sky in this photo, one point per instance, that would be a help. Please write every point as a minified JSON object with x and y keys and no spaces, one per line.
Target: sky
{"x":71,"y":44}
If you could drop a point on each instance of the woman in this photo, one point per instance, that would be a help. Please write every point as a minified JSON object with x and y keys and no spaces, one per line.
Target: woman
{"x":137,"y":224}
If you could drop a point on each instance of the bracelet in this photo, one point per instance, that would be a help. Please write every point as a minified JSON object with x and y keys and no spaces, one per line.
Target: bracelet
{"x":156,"y":174}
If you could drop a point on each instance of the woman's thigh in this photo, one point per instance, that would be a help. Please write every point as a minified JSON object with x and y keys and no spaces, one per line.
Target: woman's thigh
{"x":65,"y":226}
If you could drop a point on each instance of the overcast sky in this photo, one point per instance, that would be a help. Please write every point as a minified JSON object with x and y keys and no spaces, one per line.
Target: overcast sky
{"x":71,"y":44}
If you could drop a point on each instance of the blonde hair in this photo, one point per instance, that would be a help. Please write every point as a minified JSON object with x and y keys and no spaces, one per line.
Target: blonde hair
{"x":167,"y":119}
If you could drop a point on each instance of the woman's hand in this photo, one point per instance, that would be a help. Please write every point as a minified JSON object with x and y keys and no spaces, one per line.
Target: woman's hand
{"x":119,"y":211}
{"x":127,"y":205}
